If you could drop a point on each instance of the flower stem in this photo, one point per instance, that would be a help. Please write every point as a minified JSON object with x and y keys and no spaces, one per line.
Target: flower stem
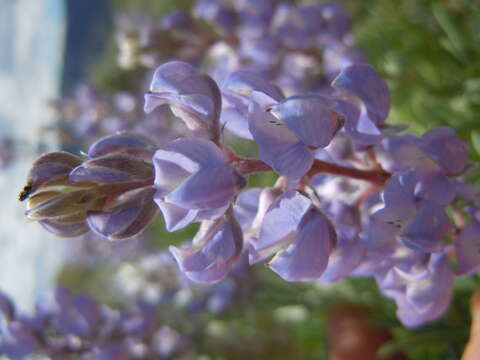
{"x":251,"y":166}
{"x":376,"y":176}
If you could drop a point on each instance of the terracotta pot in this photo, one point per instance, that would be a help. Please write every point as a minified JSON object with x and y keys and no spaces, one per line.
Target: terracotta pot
{"x":351,"y":336}
{"x":472,"y":350}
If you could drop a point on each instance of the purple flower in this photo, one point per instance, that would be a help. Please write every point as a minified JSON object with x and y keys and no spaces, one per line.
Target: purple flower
{"x":435,"y":158}
{"x":362,"y":83}
{"x":194,"y":97}
{"x":286,"y":132}
{"x":467,"y":249}
{"x":237,"y":91}
{"x":367,"y":102}
{"x":350,"y":250}
{"x":251,"y":207}
{"x":419,"y":224}
{"x":447,"y":150}
{"x":193,"y":182}
{"x":216,"y":248}
{"x":299,"y":235}
{"x":423,"y":293}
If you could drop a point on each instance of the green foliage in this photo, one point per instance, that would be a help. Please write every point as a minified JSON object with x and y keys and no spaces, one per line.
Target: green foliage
{"x":429,"y":53}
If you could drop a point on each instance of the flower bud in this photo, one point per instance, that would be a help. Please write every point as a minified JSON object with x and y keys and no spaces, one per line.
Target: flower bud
{"x":109,"y":193}
{"x":57,"y":204}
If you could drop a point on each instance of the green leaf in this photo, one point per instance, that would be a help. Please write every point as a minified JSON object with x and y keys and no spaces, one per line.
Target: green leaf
{"x":475,"y":137}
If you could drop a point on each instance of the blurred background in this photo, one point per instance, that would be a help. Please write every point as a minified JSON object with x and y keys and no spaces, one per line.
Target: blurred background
{"x":70,"y":72}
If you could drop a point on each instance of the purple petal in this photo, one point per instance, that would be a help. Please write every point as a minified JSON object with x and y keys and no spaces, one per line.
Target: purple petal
{"x":246,"y":207}
{"x":447,"y":150}
{"x":262,"y":204}
{"x":280,"y":149}
{"x":217,"y":248}
{"x":343,"y":260}
{"x":427,"y":229}
{"x":112,"y":168}
{"x":307,"y":257}
{"x":245,"y":82}
{"x":52,"y":167}
{"x":379,"y":235}
{"x":196,"y":110}
{"x":467,"y":247}
{"x":399,"y":195}
{"x":363,"y":81}
{"x":123,"y":143}
{"x":357,"y":123}
{"x":278,"y":146}
{"x":403,"y":153}
{"x":235,"y":122}
{"x":178,"y":77}
{"x":121,"y":224}
{"x":191,"y":94}
{"x":366,"y":126}
{"x":279,"y":224}
{"x":411,"y":318}
{"x":310,"y":118}
{"x":176,"y":217}
{"x":428,"y":295}
{"x":65,"y":230}
{"x":191,"y":154}
{"x":98,"y":175}
{"x":291,"y":161}
{"x":212,"y":274}
{"x":212,"y":214}
{"x":436,"y":186}
{"x":207,"y":189}
{"x":212,"y":242}
{"x":168,"y":175}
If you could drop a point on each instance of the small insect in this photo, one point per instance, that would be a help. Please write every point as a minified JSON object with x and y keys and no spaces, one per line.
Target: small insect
{"x":25,"y":193}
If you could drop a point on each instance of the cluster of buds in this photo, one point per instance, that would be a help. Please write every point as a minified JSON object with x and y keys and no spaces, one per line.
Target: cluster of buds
{"x":110,"y":191}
